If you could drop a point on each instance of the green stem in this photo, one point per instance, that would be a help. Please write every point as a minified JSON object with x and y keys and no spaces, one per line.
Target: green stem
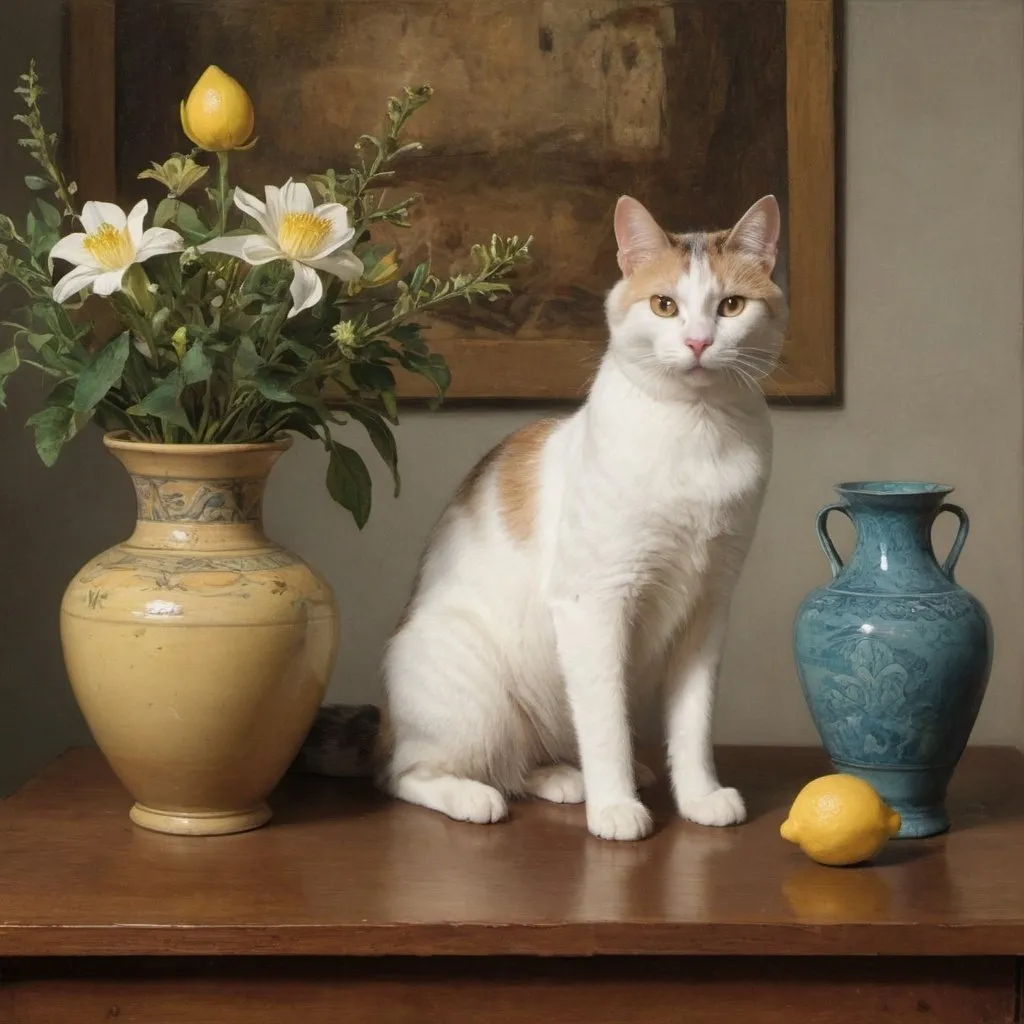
{"x":275,"y":326}
{"x":236,"y":407}
{"x":222,"y":191}
{"x":48,"y":370}
{"x":204,"y":420}
{"x":274,"y":426}
{"x":418,"y":307}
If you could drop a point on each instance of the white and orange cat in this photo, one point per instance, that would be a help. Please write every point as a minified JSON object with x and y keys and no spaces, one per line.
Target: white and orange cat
{"x":586,"y":566}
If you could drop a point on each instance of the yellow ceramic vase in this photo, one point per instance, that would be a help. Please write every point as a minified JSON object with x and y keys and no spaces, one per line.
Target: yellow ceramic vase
{"x":199,"y":650}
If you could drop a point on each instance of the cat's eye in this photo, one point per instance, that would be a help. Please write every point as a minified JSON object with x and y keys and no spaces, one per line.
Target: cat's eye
{"x":732,"y":306}
{"x":662,"y":305}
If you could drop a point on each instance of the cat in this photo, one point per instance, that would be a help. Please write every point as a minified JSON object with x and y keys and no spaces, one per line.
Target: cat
{"x":585,"y":567}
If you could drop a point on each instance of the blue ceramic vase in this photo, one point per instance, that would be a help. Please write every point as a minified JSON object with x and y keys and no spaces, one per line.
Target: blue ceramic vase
{"x":893,"y":654}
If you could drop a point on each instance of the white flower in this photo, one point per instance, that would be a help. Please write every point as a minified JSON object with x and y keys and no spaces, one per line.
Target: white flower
{"x":310,"y":238}
{"x":111,"y":243}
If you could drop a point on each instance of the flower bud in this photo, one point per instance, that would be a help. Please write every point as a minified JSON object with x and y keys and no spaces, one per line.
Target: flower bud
{"x":218,"y":114}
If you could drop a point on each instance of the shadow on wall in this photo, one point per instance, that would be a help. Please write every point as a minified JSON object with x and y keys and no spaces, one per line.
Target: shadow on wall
{"x":51,"y":521}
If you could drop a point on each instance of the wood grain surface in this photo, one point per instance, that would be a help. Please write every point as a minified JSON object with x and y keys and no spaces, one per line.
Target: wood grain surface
{"x":342,"y":870}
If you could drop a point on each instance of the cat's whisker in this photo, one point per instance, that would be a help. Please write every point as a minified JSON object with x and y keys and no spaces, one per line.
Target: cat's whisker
{"x":754,"y":369}
{"x":746,"y":379}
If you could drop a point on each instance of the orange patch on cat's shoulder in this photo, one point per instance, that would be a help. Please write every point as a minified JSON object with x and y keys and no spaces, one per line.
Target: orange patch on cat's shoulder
{"x":519,"y":477}
{"x":658,"y":277}
{"x":469,"y":490}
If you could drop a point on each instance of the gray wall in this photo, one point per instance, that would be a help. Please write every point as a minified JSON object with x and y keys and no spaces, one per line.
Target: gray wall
{"x":933,"y":258}
{"x":51,"y":521}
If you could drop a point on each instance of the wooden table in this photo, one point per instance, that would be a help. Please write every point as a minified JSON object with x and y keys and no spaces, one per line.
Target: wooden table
{"x":329,"y":913}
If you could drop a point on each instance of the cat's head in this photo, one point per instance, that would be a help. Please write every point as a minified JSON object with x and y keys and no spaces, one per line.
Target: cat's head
{"x":699,"y":309}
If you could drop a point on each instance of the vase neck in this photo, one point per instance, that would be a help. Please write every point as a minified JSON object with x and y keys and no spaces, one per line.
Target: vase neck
{"x":893,"y":551}
{"x":199,"y":515}
{"x":199,"y":498}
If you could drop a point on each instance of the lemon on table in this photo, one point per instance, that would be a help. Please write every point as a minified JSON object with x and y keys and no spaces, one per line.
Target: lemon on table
{"x":839,"y":819}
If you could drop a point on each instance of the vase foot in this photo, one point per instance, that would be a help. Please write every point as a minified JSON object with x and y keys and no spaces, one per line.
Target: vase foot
{"x":917,"y":793}
{"x":211,"y":824}
{"x":919,"y":823}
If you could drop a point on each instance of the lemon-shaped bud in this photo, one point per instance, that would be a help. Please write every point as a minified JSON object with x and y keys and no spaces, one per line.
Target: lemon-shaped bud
{"x":218,"y":114}
{"x":840,"y":819}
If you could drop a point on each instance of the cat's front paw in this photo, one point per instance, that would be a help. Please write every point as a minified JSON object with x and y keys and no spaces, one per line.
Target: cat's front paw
{"x":719,"y":807}
{"x":559,"y":783}
{"x":475,"y":802}
{"x":627,"y":820}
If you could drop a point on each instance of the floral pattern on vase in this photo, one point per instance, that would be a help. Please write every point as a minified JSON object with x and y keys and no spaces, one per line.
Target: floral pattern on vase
{"x":893,"y":655}
{"x":199,"y":501}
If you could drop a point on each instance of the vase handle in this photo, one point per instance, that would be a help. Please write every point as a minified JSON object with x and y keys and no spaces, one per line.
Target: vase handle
{"x":821,"y":525}
{"x":961,"y":535}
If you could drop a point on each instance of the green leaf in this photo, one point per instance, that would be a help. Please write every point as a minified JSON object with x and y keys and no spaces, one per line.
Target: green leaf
{"x":304,"y":352}
{"x":164,"y":403}
{"x":433,"y":367}
{"x":197,"y":365}
{"x":53,"y":426}
{"x":9,"y":362}
{"x":348,"y":482}
{"x":410,"y":336}
{"x":160,"y":317}
{"x":190,"y":222}
{"x":101,"y":374}
{"x":419,"y":275}
{"x":173,"y":211}
{"x":39,"y":341}
{"x":390,"y":404}
{"x":441,"y":374}
{"x":51,"y":215}
{"x":63,"y":393}
{"x":36,"y":183}
{"x":247,"y":359}
{"x":195,"y":285}
{"x":373,"y":376}
{"x":255,"y":278}
{"x":272,"y":386}
{"x":319,"y":409}
{"x":164,"y":212}
{"x":382,"y":438}
{"x":404,"y":333}
{"x":303,"y":420}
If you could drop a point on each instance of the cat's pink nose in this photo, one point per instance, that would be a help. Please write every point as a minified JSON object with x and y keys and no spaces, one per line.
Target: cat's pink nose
{"x":697,"y":345}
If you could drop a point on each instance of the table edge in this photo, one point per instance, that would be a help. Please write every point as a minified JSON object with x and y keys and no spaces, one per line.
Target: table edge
{"x":535,"y":940}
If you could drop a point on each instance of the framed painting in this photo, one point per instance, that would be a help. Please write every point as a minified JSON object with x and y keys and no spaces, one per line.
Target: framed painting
{"x":544,"y":112}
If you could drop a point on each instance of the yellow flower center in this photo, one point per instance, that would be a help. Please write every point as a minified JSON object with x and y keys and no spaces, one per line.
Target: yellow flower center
{"x":112,"y":248}
{"x":301,"y":235}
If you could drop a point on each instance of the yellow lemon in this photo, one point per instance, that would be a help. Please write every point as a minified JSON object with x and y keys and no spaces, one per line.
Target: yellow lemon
{"x":839,"y":819}
{"x":218,"y":113}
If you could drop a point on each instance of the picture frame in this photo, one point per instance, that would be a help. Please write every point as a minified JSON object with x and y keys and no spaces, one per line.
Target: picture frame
{"x":556,"y":361}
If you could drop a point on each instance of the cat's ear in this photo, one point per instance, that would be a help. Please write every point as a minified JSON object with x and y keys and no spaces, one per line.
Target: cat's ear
{"x":639,"y":238}
{"x":757,"y":232}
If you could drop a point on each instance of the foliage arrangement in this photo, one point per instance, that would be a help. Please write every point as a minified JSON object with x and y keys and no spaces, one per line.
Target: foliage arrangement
{"x":234,"y":314}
